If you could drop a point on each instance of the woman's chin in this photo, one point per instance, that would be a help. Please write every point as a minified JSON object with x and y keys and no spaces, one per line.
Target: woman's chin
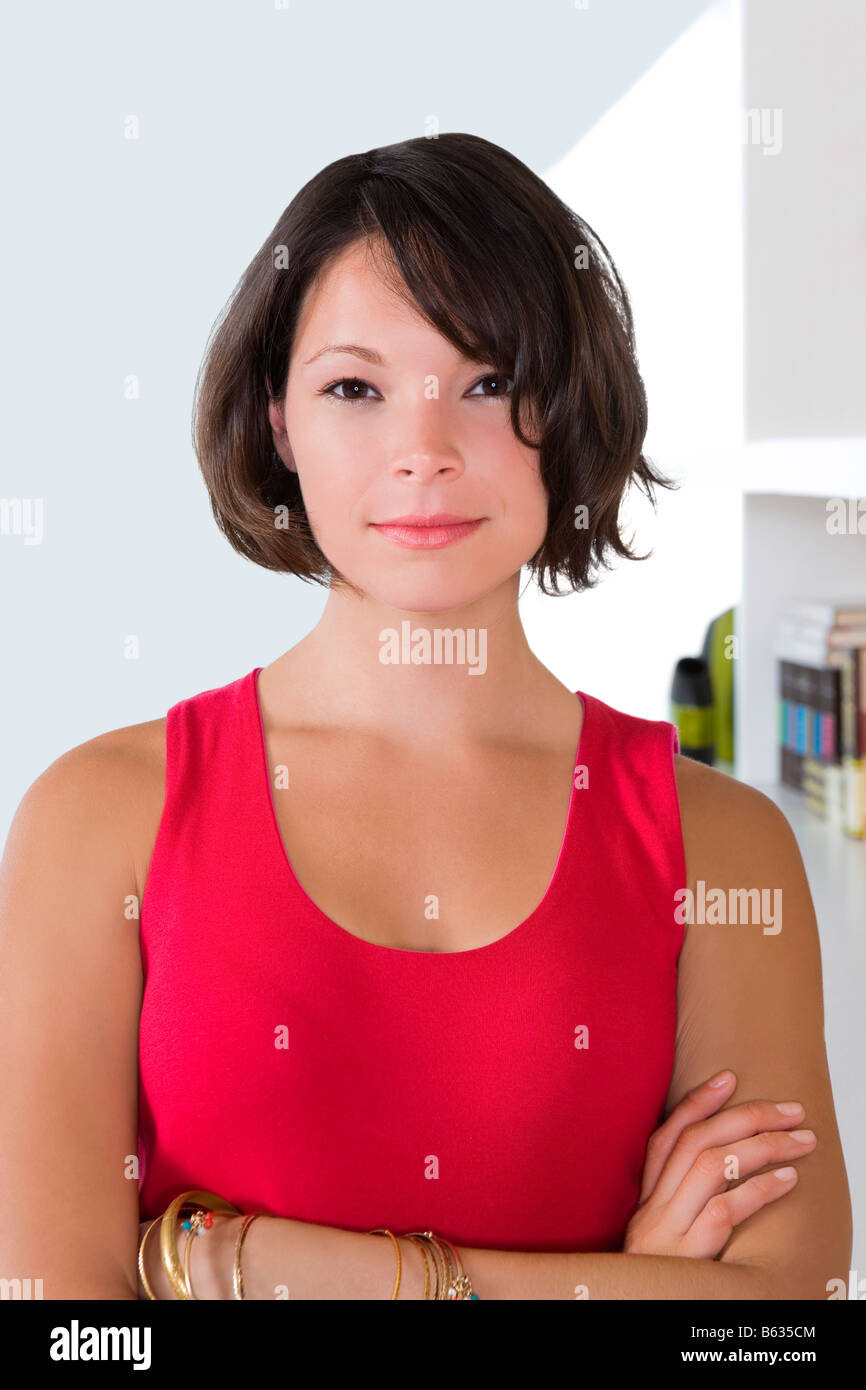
{"x":429,"y":601}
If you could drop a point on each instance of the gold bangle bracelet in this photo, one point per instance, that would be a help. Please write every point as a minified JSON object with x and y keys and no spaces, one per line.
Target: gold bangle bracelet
{"x":438,"y":1259}
{"x":461,"y":1282}
{"x":237,"y":1275}
{"x":420,"y":1244}
{"x":168,"y":1233}
{"x":441,"y":1266}
{"x":447,"y":1265}
{"x":455,"y":1283}
{"x":383,"y":1231}
{"x":142,"y":1272}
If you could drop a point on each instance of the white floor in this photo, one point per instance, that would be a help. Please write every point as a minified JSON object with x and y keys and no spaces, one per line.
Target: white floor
{"x":836,"y":869}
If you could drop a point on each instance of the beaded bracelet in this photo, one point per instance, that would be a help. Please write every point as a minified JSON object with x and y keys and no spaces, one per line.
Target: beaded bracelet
{"x":200,"y":1221}
{"x":168,"y":1233}
{"x":197,"y":1224}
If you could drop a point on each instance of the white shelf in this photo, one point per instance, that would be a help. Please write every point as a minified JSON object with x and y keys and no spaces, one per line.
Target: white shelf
{"x":834,"y":467}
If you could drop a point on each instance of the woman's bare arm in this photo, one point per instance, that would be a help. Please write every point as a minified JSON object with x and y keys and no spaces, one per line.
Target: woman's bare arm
{"x":70,"y":996}
{"x":750,"y":998}
{"x":299,"y":1261}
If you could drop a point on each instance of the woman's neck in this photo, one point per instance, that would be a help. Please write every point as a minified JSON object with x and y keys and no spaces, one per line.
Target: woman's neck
{"x":457,"y":675}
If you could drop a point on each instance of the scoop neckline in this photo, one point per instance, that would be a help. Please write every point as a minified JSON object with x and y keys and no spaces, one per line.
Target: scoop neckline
{"x":374,"y":946}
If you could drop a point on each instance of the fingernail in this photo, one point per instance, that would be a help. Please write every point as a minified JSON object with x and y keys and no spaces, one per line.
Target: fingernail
{"x":721,"y":1079}
{"x":784,"y":1173}
{"x":789,"y":1107}
{"x":805,"y":1136}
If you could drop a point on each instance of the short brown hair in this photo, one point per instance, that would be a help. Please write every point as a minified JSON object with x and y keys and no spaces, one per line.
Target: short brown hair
{"x":508,"y":273}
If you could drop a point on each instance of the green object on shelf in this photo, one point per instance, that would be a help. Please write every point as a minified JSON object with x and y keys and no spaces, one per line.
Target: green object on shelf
{"x":718,"y":653}
{"x":691,"y":708}
{"x":694,"y":724}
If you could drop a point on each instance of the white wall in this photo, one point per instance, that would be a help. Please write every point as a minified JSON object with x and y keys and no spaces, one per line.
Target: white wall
{"x":658,"y":177}
{"x":805,"y":219}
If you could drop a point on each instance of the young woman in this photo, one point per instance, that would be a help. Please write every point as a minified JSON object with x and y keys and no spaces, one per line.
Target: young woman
{"x":386,"y":937}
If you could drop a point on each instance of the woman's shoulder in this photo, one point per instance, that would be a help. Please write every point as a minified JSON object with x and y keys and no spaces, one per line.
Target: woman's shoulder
{"x":740,"y":851}
{"x":115,"y":768}
{"x":107,"y":791}
{"x":105,"y":764}
{"x":110,"y":790}
{"x":719,"y":812}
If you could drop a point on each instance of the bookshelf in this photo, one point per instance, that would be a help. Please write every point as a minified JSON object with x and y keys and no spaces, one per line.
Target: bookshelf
{"x":788,"y":552}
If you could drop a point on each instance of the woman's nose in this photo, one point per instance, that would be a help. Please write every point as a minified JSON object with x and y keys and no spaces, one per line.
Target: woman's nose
{"x":428,"y":464}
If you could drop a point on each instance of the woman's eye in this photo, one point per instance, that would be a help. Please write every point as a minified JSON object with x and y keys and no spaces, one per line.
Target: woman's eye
{"x":499,"y":381}
{"x":354,"y":389}
{"x":353,"y":383}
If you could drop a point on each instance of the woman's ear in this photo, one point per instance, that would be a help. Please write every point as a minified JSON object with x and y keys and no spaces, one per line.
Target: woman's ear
{"x":283,"y":452}
{"x":282,"y":447}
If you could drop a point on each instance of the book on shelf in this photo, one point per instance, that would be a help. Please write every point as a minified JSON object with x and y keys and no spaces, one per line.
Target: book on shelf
{"x":826,"y":613}
{"x":820,"y":651}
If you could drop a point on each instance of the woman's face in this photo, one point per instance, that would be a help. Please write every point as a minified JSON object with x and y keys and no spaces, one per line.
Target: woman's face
{"x":412,"y":428}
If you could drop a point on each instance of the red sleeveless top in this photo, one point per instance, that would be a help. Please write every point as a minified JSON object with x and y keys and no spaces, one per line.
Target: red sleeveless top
{"x":501,"y":1096}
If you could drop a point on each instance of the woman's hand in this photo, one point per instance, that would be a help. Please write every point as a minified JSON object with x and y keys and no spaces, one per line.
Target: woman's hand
{"x":686,"y":1207}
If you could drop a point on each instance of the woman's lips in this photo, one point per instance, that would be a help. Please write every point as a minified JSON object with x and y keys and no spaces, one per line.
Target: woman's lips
{"x":427,"y":536}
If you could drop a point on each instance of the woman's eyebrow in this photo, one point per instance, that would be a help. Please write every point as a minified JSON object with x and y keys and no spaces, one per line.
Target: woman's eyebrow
{"x":369,"y":354}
